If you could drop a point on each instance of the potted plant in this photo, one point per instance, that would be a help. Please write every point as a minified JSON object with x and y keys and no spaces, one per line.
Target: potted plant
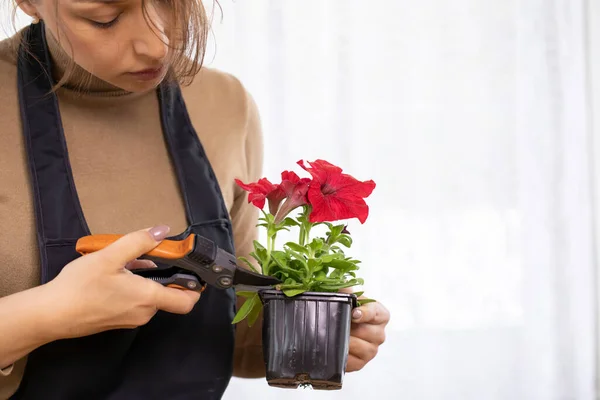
{"x":306,"y":319}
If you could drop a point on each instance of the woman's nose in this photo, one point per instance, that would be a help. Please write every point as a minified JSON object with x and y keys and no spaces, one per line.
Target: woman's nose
{"x":151,"y":41}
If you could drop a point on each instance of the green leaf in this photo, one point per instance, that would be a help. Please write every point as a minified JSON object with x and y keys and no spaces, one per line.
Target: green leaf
{"x":246,"y":308}
{"x":330,"y":257}
{"x":337,"y":230}
{"x":353,"y":282}
{"x":258,"y":246}
{"x":358,"y":294}
{"x":319,"y":267}
{"x":302,"y":219}
{"x":299,"y":259}
{"x":280,"y":258}
{"x":245,"y":293}
{"x":280,"y":255}
{"x":260,"y":251}
{"x":289,"y":222}
{"x":296,"y":247}
{"x":336,"y":273}
{"x":296,"y":275}
{"x":247,"y":262}
{"x":268,"y":216}
{"x":320,"y":276}
{"x":290,"y":285}
{"x":272,"y":231}
{"x":256,"y":257}
{"x":316,"y":245}
{"x":281,"y":275}
{"x":254,"y":312}
{"x":343,"y":265}
{"x":313,"y":264}
{"x":293,"y":292}
{"x":345,"y":240}
{"x":337,"y":250}
{"x":365,"y":301}
{"x":283,"y":263}
{"x":331,"y":281}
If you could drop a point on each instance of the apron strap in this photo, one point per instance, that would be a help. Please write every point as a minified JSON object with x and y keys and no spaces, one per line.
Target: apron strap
{"x":196,"y":177}
{"x":58,"y":211}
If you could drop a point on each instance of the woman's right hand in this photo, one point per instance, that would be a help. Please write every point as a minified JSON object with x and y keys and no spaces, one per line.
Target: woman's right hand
{"x":98,"y":292}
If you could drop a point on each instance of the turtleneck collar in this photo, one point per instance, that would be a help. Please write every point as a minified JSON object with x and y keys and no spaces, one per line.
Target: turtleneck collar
{"x":79,"y":79}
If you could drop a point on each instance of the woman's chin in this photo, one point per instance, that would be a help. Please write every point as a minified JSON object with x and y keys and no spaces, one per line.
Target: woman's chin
{"x":135,"y":84}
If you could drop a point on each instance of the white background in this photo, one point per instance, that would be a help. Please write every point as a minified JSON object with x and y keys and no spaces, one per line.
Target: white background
{"x":473,"y":117}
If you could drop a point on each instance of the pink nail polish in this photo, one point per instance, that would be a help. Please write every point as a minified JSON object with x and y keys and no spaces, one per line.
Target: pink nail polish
{"x":160,"y":232}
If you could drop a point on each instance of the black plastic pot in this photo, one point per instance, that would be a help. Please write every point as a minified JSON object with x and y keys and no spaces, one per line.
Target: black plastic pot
{"x":305,"y":338}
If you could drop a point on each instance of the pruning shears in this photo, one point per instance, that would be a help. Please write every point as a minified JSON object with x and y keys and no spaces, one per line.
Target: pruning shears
{"x":191,"y":263}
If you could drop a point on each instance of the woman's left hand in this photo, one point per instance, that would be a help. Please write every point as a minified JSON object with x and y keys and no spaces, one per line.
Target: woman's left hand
{"x":367,"y":334}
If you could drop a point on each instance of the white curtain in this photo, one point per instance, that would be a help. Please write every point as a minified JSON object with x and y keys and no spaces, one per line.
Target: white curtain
{"x":472,"y":117}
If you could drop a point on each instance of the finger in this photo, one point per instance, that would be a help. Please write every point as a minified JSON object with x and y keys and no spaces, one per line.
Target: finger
{"x":349,"y":290}
{"x":354,"y":363}
{"x":133,"y":245}
{"x":362,"y":349}
{"x":176,"y":301}
{"x":372,"y":313}
{"x":140,"y":264}
{"x":374,"y":334}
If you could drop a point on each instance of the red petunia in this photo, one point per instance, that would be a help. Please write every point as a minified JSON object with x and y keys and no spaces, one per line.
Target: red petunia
{"x":334,"y":195}
{"x":295,"y":189}
{"x":292,"y":188}
{"x":261,"y":191}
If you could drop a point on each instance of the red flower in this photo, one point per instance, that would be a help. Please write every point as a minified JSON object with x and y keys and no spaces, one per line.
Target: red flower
{"x":259,"y":192}
{"x":291,"y":187}
{"x":295,"y":189}
{"x":334,"y":195}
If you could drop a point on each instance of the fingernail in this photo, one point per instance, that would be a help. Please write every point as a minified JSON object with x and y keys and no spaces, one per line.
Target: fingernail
{"x":356,"y":314}
{"x":160,"y":232}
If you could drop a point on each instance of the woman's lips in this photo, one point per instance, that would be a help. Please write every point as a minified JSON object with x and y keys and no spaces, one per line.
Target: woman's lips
{"x":149,"y":74}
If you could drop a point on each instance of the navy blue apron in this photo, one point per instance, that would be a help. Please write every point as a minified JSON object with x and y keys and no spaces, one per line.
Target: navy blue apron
{"x":173,"y":356}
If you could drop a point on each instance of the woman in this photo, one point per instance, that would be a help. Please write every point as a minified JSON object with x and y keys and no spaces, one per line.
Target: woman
{"x":152,"y":139}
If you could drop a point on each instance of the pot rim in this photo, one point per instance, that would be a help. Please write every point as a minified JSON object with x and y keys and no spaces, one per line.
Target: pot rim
{"x":276,"y":294}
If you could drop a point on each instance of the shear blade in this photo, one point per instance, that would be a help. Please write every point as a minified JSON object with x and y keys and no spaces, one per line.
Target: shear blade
{"x":248,"y":278}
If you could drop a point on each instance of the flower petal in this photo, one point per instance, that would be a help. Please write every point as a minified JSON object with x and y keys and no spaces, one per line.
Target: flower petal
{"x":329,"y":208}
{"x":334,"y":195}
{"x":320,"y":169}
{"x":257,"y":191}
{"x":290,"y":176}
{"x":296,"y":197}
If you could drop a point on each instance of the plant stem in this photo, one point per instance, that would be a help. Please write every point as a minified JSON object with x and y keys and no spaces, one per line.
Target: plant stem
{"x":305,"y":226}
{"x":301,"y":235}
{"x":270,"y":241}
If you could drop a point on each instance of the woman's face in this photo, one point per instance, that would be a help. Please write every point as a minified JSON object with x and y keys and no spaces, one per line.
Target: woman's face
{"x":115,"y":40}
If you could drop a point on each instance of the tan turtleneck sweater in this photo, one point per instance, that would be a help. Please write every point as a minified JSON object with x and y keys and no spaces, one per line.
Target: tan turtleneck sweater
{"x":121,"y":166}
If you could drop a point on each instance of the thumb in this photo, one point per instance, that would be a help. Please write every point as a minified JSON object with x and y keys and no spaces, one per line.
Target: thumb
{"x":134,"y":244}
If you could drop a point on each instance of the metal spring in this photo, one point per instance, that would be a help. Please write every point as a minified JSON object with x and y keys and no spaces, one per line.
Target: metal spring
{"x":157,"y":279}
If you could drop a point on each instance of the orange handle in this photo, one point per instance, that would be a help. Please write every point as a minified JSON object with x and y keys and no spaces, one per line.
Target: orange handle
{"x":167,"y":249}
{"x":174,"y":286}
